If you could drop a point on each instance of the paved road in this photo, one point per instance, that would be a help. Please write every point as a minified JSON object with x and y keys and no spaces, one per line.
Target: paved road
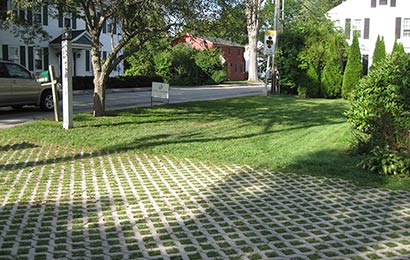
{"x":127,"y":98}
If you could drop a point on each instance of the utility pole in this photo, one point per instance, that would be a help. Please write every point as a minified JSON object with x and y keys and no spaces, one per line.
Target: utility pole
{"x":274,"y":89}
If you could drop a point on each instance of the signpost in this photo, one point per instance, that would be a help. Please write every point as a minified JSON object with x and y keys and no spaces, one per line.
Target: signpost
{"x":269,"y":50}
{"x":160,"y":90}
{"x":46,"y":78}
{"x":67,"y":68}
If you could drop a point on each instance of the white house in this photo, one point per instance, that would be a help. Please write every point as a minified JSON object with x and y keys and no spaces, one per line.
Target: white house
{"x":38,"y":55}
{"x":370,"y":18}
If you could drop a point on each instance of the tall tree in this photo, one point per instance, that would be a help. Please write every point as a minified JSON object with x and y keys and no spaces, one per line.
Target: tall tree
{"x":138,"y":20}
{"x":252,"y":9}
{"x":398,"y":48}
{"x":379,"y":53}
{"x":354,"y":69}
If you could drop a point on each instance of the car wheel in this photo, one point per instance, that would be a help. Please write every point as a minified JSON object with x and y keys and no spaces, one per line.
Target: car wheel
{"x":47,"y":102}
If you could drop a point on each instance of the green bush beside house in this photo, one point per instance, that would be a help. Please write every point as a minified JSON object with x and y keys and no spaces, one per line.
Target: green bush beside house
{"x":380,"y":116}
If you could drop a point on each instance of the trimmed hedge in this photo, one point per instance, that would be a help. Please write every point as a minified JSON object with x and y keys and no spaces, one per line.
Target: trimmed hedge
{"x":86,"y":82}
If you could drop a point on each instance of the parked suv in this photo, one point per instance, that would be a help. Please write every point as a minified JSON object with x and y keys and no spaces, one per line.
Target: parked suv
{"x":18,"y":87}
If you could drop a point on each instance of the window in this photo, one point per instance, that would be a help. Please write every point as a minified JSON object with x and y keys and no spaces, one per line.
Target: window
{"x":38,"y":59}
{"x":357,"y":27}
{"x":406,"y":27}
{"x":37,"y":15}
{"x":66,"y":20}
{"x":15,"y":71}
{"x":382,"y":2}
{"x":14,"y":54}
{"x":239,"y":52}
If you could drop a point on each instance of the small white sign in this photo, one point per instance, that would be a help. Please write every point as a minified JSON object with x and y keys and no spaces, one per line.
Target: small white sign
{"x":269,"y":42}
{"x":160,"y":90}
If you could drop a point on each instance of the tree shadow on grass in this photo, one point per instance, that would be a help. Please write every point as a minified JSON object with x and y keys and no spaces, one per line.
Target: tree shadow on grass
{"x":17,"y":146}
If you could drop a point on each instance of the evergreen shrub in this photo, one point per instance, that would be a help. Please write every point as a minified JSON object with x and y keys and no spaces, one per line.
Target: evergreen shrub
{"x":354,"y":69}
{"x":380,"y":116}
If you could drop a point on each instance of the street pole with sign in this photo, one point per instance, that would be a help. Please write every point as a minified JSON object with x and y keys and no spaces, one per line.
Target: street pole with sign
{"x":67,"y":81}
{"x":269,"y":50}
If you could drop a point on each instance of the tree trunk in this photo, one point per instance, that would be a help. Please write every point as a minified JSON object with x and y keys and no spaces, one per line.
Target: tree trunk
{"x":253,"y":64}
{"x":99,"y":84}
{"x":252,"y":11}
{"x":99,"y":95}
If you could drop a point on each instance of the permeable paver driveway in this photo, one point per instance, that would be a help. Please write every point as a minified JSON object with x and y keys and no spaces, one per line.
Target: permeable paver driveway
{"x":63,"y":203}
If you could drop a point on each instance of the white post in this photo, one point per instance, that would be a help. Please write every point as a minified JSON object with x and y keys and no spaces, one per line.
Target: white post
{"x":55,"y":94}
{"x":67,"y":68}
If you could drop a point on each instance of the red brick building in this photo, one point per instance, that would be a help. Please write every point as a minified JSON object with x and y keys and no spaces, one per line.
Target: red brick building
{"x":231,"y":52}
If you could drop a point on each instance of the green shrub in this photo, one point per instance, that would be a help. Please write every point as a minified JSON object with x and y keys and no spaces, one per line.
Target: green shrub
{"x":379,"y":53}
{"x":385,"y":161}
{"x":354,"y":69}
{"x":162,"y":64}
{"x":398,"y":48}
{"x":86,"y":82}
{"x":185,"y":66}
{"x":331,"y":79}
{"x":219,"y":76}
{"x":380,"y":113}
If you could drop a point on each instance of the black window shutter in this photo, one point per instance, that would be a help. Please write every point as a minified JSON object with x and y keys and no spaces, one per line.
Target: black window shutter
{"x":105,"y":26}
{"x":30,"y":58}
{"x":114,"y":26}
{"x":347,"y":27}
{"x":45,"y":59}
{"x":366,"y":28}
{"x":22,"y":15}
{"x":398,"y":27}
{"x":5,"y":52}
{"x":3,"y":5}
{"x":87,"y":60}
{"x":30,"y":16}
{"x":74,"y":21}
{"x":373,"y":4}
{"x":393,"y":3}
{"x":45,"y":15}
{"x":60,"y":17}
{"x":23,"y":55}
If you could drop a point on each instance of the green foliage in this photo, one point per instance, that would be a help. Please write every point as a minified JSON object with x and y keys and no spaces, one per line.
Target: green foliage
{"x":385,"y":161}
{"x":379,"y":53}
{"x":380,"y":113}
{"x":354,"y":69}
{"x":290,"y":44}
{"x":184,"y":66}
{"x":229,"y":24}
{"x":332,"y":79}
{"x":163,"y":63}
{"x":142,"y":60}
{"x":398,"y":48}
{"x":209,"y":61}
{"x":312,"y":83}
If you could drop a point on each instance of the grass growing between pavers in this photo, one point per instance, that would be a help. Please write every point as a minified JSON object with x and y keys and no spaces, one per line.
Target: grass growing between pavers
{"x":309,"y":136}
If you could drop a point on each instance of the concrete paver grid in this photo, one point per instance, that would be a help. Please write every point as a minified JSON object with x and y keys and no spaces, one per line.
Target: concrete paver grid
{"x":65,"y":203}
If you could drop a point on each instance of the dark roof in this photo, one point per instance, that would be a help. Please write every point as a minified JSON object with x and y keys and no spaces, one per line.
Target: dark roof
{"x":74,"y":33}
{"x":79,"y":38}
{"x":220,"y":41}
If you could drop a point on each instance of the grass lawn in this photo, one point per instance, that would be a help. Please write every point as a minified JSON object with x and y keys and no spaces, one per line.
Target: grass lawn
{"x":288,"y":134}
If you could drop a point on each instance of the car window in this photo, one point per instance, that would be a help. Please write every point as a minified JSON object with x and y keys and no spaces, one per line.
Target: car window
{"x":15,"y":71}
{"x":3,"y":71}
